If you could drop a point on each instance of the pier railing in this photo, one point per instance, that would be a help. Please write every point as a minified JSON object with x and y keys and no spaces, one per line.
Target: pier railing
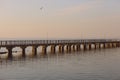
{"x":40,"y":42}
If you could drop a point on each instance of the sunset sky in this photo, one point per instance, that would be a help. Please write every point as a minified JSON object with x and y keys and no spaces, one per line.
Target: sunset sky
{"x":59,"y":19}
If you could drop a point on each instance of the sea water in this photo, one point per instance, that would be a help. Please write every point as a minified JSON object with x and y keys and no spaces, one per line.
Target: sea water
{"x":101,"y":64}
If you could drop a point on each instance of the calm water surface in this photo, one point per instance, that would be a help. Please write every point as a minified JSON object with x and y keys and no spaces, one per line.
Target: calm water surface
{"x":89,"y":65}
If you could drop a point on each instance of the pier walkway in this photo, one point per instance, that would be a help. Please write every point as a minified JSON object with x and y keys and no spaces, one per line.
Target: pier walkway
{"x":63,"y":45}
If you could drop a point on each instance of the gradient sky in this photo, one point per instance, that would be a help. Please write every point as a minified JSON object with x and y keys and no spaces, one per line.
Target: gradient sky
{"x":59,"y":19}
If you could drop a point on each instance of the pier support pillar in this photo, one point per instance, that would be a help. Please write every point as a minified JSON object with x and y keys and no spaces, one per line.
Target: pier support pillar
{"x":78,"y":47}
{"x":10,"y":56}
{"x":104,"y":45}
{"x":99,"y":45}
{"x":66,"y":48}
{"x":119,"y":44}
{"x":111,"y":45}
{"x":95,"y":46}
{"x":52,"y":49}
{"x":61,"y":48}
{"x":69,"y":48}
{"x":108,"y":44}
{"x":114,"y":44}
{"x":34,"y":50}
{"x":44,"y":50}
{"x":90,"y":47}
{"x":23,"y":51}
{"x":85,"y":47}
{"x":73,"y":47}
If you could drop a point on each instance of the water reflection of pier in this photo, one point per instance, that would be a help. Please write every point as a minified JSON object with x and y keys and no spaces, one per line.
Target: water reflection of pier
{"x":62,"y":45}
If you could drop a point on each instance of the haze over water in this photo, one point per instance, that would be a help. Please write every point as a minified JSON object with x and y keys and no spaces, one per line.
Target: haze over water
{"x":89,"y":65}
{"x":61,"y":19}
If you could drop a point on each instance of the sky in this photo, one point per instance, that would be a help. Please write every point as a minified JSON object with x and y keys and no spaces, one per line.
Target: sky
{"x":59,"y":19}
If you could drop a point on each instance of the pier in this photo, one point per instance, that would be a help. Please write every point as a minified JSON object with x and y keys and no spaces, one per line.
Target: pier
{"x":63,"y":45}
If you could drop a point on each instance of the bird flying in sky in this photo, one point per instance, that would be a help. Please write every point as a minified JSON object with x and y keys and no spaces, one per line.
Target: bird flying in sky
{"x":41,"y":8}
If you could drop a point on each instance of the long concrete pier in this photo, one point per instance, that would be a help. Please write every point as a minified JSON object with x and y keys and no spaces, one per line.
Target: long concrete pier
{"x":63,"y":45}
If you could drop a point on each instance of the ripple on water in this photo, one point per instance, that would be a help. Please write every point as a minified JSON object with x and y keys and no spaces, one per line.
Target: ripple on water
{"x":89,"y":65}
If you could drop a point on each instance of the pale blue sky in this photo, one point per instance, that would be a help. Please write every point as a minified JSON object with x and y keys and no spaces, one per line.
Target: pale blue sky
{"x":60,"y":19}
